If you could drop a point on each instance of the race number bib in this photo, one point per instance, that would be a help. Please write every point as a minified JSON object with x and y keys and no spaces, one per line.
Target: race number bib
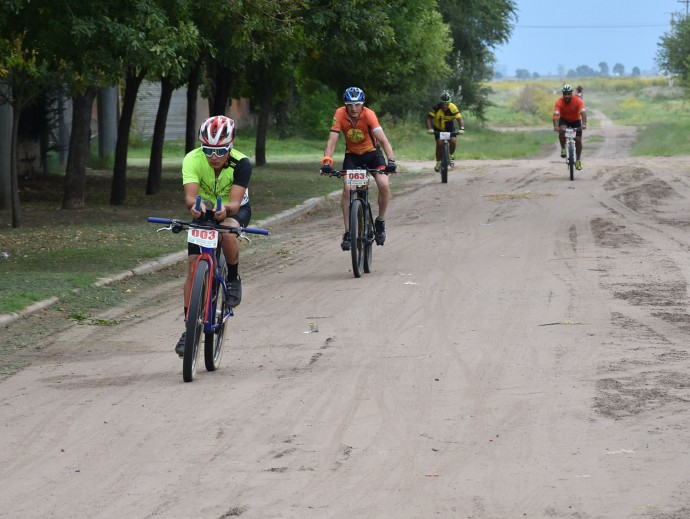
{"x":203,"y":238}
{"x":357,"y":178}
{"x":570,"y":133}
{"x":444,"y":136}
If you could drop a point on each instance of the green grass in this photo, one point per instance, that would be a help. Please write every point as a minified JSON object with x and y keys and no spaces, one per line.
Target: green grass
{"x":56,"y":253}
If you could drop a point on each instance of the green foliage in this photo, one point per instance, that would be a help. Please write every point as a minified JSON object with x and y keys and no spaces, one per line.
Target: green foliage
{"x":313,"y":114}
{"x":664,"y":139}
{"x":476,"y":28}
{"x":674,"y":49}
{"x":382,"y":46}
{"x":534,"y":100}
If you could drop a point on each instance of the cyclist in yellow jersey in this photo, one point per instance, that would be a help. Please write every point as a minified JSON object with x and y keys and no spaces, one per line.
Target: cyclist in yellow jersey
{"x":217,"y":169}
{"x":441,"y":118}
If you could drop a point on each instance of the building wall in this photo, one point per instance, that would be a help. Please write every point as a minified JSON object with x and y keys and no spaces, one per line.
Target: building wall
{"x":147,"y":106}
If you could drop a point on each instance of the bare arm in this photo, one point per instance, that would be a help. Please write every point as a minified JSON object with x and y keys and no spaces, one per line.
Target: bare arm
{"x":236,"y":196}
{"x":191,"y":191}
{"x":330,"y":144}
{"x":381,"y":137}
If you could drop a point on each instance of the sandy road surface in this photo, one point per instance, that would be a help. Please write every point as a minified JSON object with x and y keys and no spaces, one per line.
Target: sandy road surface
{"x":520,"y":350}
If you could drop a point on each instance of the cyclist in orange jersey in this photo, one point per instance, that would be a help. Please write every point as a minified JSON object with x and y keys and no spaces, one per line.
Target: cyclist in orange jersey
{"x":364,"y":139}
{"x":569,"y":112}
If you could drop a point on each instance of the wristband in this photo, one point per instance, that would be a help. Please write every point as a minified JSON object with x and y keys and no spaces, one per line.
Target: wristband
{"x":327,"y":160}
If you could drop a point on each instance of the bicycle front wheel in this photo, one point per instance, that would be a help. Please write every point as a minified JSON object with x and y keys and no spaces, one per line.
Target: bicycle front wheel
{"x":571,"y":159}
{"x":195,"y":320}
{"x":213,"y":342}
{"x":369,"y":239}
{"x":357,"y":236}
{"x":445,"y":162}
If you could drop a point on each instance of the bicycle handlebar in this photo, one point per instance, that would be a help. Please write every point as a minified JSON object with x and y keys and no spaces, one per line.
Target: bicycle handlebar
{"x":338,"y":173}
{"x":453,"y":133}
{"x":180,"y":225}
{"x":219,"y":204}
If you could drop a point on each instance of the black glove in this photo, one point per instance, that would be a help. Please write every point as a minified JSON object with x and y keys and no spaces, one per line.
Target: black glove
{"x":390,"y":168}
{"x":327,"y":169}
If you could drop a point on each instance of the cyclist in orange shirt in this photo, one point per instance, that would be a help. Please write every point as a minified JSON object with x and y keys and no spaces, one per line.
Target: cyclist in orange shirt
{"x":569,"y":112}
{"x":364,"y":139}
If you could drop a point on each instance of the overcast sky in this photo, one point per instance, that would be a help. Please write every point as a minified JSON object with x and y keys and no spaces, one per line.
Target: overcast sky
{"x":614,"y":31}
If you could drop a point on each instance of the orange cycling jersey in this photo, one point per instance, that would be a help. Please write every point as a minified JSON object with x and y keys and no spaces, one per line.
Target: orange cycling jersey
{"x":359,"y":137}
{"x":570,"y":112}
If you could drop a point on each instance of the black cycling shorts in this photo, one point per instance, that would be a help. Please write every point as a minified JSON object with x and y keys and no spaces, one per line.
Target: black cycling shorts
{"x":371,"y":159}
{"x":567,"y":124}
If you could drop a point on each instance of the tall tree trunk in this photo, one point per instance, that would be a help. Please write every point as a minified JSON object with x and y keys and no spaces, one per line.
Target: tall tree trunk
{"x":6,"y":113}
{"x":75,"y":173}
{"x":14,"y":181}
{"x":153,"y":182}
{"x":264,"y":117}
{"x":190,"y":134}
{"x":118,"y":191}
{"x":221,"y":91}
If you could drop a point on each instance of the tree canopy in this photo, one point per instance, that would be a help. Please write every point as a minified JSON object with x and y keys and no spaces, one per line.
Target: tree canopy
{"x":273,"y":52}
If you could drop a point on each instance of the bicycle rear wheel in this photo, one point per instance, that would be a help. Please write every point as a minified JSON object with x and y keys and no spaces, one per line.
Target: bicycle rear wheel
{"x":571,"y":159}
{"x":213,"y":342}
{"x":445,"y":162}
{"x":195,"y":321}
{"x":357,"y":236}
{"x":369,"y":239}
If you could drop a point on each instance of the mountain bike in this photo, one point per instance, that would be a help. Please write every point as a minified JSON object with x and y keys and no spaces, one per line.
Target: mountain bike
{"x":207,"y":312}
{"x":445,"y":154}
{"x":570,"y":150}
{"x":361,"y":219}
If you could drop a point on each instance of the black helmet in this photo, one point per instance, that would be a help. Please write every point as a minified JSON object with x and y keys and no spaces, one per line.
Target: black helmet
{"x":445,"y":97}
{"x":567,"y":89}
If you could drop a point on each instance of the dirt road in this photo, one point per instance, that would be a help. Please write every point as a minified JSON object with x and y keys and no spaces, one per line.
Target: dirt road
{"x":520,"y":350}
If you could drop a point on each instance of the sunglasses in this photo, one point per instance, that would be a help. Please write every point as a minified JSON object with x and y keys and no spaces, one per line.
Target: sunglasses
{"x":220,"y":152}
{"x":354,"y":105}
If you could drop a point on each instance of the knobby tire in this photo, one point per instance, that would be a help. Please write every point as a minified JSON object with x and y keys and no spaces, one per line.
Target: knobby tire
{"x":445,"y":163}
{"x":571,"y":159}
{"x":357,"y":236}
{"x":369,"y":241}
{"x":213,"y":342}
{"x":195,"y":321}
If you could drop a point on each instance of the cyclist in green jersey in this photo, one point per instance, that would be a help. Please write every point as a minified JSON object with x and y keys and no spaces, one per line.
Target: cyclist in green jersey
{"x":217,"y":169}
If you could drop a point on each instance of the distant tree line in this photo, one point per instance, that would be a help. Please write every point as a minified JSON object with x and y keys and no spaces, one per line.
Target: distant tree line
{"x":581,"y":71}
{"x":285,"y":56}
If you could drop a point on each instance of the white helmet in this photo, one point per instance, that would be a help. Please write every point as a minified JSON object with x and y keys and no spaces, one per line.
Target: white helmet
{"x":217,"y":131}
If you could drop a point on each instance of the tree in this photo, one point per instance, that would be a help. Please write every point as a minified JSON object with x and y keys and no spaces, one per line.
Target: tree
{"x":635,"y":72}
{"x":86,"y":63}
{"x":674,"y":48}
{"x":182,"y":51}
{"x":394,"y":49}
{"x":477,"y":27}
{"x":604,"y":68}
{"x":25,"y":76}
{"x":522,"y":73}
{"x":146,"y":41}
{"x":619,"y":69}
{"x":585,"y":71}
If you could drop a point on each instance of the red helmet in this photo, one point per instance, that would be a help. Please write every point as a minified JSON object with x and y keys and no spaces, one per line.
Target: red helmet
{"x":217,"y":131}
